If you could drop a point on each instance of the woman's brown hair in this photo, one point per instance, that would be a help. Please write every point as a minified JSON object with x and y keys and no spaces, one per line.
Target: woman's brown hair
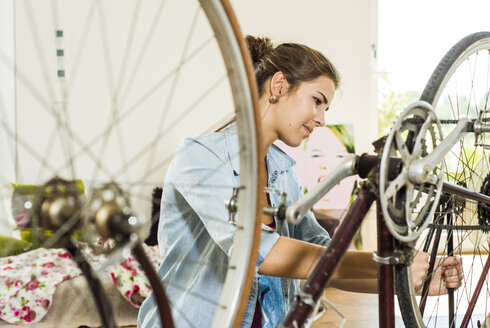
{"x":298,"y":62}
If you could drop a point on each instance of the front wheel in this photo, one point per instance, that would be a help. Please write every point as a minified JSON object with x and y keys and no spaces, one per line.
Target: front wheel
{"x":95,"y":96}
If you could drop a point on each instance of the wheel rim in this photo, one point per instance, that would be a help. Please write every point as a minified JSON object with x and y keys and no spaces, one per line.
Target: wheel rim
{"x":86,"y":113}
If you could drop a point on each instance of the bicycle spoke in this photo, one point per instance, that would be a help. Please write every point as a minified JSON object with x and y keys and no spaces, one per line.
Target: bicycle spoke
{"x":143,"y":50}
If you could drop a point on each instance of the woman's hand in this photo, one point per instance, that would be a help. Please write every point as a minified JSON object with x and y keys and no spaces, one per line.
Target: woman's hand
{"x":448,"y":273}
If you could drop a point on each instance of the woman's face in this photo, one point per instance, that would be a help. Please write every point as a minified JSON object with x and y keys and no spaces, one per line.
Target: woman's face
{"x":299,"y":112}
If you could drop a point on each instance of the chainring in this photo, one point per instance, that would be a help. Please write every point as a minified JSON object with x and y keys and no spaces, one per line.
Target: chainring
{"x":408,"y":206}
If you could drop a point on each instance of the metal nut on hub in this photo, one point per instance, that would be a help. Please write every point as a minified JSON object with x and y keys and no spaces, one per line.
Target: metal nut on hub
{"x":55,"y":203}
{"x":56,"y":210}
{"x":109,"y":211}
{"x":103,"y":218}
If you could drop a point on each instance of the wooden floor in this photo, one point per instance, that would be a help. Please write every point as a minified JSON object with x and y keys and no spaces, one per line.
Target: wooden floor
{"x":360,"y":310}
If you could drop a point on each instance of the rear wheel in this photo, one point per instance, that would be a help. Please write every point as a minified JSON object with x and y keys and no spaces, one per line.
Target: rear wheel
{"x":97,"y":95}
{"x":459,"y":87}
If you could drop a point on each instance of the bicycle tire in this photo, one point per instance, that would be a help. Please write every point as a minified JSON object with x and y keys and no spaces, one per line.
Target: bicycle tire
{"x":457,"y":66}
{"x":83,"y":138}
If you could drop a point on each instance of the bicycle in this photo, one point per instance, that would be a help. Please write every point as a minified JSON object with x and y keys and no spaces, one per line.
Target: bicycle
{"x":105,"y":175}
{"x":406,"y":179}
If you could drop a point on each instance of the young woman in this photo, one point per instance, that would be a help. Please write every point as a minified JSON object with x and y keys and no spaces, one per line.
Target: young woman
{"x":296,"y":86}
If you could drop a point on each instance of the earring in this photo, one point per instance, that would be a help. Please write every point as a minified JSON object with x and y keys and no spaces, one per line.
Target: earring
{"x":274,"y":99}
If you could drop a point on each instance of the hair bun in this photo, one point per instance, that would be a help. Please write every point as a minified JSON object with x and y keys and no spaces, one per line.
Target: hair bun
{"x":258,"y":47}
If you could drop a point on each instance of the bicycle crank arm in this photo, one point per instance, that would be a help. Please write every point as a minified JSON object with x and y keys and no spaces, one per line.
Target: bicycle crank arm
{"x":421,"y":170}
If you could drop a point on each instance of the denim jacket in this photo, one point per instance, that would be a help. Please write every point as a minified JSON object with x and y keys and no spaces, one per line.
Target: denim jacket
{"x":194,"y":230}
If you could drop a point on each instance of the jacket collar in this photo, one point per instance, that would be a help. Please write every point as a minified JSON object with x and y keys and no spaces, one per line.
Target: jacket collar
{"x":277,"y":159}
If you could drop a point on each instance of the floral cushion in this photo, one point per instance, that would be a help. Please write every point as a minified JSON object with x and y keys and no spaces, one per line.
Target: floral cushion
{"x":28,"y":281}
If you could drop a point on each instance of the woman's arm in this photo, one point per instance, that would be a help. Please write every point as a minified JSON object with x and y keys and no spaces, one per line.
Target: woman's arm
{"x":356,"y":272}
{"x":295,"y":259}
{"x":291,"y":258}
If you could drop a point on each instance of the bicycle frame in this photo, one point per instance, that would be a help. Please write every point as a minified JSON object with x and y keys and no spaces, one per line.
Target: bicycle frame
{"x":315,"y":285}
{"x":365,"y":166}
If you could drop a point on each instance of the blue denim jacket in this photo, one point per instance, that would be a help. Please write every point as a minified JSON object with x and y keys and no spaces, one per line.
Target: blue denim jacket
{"x":194,"y":230}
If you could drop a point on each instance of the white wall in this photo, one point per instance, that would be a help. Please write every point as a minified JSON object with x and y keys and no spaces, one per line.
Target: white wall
{"x":7,"y":111}
{"x":345,"y":31}
{"x":405,"y":29}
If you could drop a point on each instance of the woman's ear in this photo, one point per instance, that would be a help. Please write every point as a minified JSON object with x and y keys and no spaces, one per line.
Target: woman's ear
{"x":278,"y":84}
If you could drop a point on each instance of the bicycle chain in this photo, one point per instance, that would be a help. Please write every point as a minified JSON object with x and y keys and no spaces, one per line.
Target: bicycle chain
{"x":419,"y":120}
{"x":487,"y":119}
{"x":483,"y":228}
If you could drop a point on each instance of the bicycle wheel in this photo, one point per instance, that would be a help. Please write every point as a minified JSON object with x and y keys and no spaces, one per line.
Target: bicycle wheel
{"x":95,"y":96}
{"x":459,"y":87}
